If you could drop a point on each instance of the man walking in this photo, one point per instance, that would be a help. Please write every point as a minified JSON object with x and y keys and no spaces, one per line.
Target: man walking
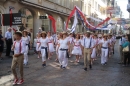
{"x":87,"y":50}
{"x":8,"y":39}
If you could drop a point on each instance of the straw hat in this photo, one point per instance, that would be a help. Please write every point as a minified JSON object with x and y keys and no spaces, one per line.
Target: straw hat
{"x":25,"y":31}
{"x":88,"y":32}
{"x":105,"y":35}
{"x":19,"y":32}
{"x":43,"y":32}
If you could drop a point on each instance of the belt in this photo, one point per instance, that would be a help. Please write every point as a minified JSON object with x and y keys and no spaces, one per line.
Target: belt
{"x":66,"y":52}
{"x":27,"y":44}
{"x":105,"y":47}
{"x":63,"y":49}
{"x":49,"y":42}
{"x":77,"y":45}
{"x":45,"y":51}
{"x":38,"y":42}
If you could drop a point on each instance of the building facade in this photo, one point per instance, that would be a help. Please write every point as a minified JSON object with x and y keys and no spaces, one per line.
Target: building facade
{"x":32,"y":9}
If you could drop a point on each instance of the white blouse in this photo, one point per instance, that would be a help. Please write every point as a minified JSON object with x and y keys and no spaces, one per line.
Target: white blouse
{"x":50,"y":39}
{"x":44,"y":42}
{"x":63,"y":43}
{"x":105,"y":43}
{"x":26,"y":39}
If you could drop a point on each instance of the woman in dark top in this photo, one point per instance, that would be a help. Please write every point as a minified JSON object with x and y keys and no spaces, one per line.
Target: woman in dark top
{"x":1,"y":44}
{"x":127,"y":54}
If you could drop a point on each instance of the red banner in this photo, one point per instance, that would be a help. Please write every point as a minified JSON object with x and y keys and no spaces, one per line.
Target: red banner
{"x":53,"y":22}
{"x":71,"y":14}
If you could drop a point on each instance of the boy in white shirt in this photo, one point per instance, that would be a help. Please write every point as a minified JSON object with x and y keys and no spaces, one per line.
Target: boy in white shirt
{"x":18,"y":57}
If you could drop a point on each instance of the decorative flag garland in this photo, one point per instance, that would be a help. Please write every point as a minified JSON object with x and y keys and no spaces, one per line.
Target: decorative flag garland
{"x":83,"y":19}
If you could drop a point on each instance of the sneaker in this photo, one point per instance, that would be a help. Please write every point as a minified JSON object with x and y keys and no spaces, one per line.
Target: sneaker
{"x":64,"y":67}
{"x":85,"y":69}
{"x":44,"y":65}
{"x":61,"y":67}
{"x":20,"y":82}
{"x":15,"y":82}
{"x":2,"y":59}
{"x":90,"y":66}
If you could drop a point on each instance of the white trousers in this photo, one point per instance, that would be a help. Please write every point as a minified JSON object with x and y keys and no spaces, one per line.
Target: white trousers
{"x":104,"y":56}
{"x":43,"y":53}
{"x":26,"y":55}
{"x":63,"y":60}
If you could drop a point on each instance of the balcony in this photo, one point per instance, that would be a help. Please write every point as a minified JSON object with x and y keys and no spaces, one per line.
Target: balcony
{"x":128,"y":8}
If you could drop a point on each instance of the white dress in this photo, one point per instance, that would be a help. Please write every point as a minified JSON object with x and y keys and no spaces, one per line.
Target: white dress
{"x":50,"y":44}
{"x":37,"y":44}
{"x":95,"y":42}
{"x":57,"y":43}
{"x":77,"y":48}
{"x":26,"y":40}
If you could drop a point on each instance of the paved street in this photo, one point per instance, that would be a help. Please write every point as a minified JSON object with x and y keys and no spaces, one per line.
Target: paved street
{"x":112,"y":74}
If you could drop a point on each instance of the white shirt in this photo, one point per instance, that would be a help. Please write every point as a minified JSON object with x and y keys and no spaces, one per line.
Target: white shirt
{"x":95,"y":42}
{"x":82,"y":41}
{"x":88,"y":42}
{"x":44,"y":42}
{"x":77,"y":42}
{"x":17,"y":47}
{"x":105,"y":43}
{"x":99,"y":41}
{"x":63,"y":43}
{"x":8,"y":35}
{"x":26,"y":39}
{"x":50,"y":39}
{"x":121,"y":41}
{"x":71,"y":39}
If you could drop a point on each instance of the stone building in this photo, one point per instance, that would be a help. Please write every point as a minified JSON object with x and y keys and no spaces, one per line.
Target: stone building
{"x":32,"y":9}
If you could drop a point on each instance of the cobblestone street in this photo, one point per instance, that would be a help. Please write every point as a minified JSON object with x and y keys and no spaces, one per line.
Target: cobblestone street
{"x":112,"y":74}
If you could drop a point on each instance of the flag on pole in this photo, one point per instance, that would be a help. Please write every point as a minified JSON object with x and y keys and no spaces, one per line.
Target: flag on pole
{"x":53,"y":22}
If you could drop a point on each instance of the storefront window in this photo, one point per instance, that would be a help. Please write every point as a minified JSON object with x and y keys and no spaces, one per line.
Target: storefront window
{"x":46,"y":24}
{"x":59,"y":24}
{"x":27,"y":19}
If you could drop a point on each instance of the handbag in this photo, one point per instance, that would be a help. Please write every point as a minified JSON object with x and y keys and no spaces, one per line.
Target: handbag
{"x":126,"y":49}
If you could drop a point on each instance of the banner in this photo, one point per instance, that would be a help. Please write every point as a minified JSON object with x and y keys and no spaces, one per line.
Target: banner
{"x":71,"y":15}
{"x":53,"y":22}
{"x":14,"y":19}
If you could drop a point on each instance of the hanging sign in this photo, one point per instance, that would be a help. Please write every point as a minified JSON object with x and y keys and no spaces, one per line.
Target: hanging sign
{"x":16,"y":19}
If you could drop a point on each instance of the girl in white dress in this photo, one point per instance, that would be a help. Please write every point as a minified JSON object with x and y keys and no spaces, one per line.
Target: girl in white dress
{"x":71,"y":40}
{"x":77,"y":51}
{"x":37,"y":45}
{"x":63,"y":49}
{"x":44,"y":45}
{"x":82,"y":44}
{"x":50,"y":44}
{"x":26,"y":39}
{"x":57,"y":43}
{"x":99,"y":45}
{"x":94,"y":50}
{"x":105,"y":45}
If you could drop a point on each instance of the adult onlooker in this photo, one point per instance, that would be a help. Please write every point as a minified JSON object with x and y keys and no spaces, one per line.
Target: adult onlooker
{"x":1,"y":44}
{"x":8,"y":38}
{"x":127,"y":54}
{"x":121,"y":41}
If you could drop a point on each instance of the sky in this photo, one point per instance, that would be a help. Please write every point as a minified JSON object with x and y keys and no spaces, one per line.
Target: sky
{"x":123,"y":6}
